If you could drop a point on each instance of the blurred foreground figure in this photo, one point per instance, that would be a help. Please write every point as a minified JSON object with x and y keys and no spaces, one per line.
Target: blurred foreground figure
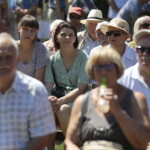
{"x":124,"y":126}
{"x":26,"y":114}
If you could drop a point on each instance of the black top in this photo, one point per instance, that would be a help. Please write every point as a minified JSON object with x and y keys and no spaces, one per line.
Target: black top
{"x":96,"y":127}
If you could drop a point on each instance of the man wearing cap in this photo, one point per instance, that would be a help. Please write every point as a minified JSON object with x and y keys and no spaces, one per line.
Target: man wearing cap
{"x":75,"y":15}
{"x":117,"y":32}
{"x":137,"y":77}
{"x":87,"y":39}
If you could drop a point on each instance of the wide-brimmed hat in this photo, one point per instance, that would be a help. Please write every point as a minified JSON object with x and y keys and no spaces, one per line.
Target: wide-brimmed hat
{"x":95,"y":15}
{"x":98,"y":27}
{"x":76,"y":10}
{"x":140,"y":34}
{"x":116,"y":23}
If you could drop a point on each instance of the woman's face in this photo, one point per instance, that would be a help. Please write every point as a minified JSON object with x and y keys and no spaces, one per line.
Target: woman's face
{"x":66,"y":37}
{"x":105,"y":69}
{"x":27,"y":33}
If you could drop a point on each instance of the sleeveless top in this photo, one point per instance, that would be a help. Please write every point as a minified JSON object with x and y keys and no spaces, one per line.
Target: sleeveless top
{"x":96,"y":127}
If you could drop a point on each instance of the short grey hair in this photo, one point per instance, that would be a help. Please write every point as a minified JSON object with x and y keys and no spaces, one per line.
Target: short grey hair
{"x":5,"y":37}
{"x":55,"y":24}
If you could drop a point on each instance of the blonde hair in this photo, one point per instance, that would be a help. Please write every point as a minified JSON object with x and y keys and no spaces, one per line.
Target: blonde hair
{"x":104,"y":53}
{"x":139,"y":21}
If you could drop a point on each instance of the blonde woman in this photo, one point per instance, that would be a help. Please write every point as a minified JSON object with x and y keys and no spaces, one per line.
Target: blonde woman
{"x":124,"y":126}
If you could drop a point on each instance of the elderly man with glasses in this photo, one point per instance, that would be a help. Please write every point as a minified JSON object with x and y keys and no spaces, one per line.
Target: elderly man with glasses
{"x":141,"y":23}
{"x":87,"y":38}
{"x":137,"y":77}
{"x":117,"y":32}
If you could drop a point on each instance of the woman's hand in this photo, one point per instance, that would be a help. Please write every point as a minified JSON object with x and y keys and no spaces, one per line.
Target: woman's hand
{"x":54,"y":101}
{"x":148,"y":146}
{"x":109,"y":95}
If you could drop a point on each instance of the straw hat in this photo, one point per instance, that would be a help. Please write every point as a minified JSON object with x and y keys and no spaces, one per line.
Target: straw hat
{"x":140,"y":34}
{"x":116,"y":23}
{"x":95,"y":15}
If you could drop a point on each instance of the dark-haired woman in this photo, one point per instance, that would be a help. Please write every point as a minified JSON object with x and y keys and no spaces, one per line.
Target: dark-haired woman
{"x":33,"y":54}
{"x":67,"y":70}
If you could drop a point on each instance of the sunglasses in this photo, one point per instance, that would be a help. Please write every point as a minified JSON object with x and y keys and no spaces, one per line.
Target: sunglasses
{"x":115,"y":33}
{"x":142,"y":49}
{"x":107,"y":67}
{"x":145,"y":26}
{"x":74,"y":17}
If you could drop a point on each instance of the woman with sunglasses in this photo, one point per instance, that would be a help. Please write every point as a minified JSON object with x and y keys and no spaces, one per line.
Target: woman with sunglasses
{"x":33,"y":54}
{"x":123,"y":126}
{"x":66,"y":69}
{"x":141,"y":23}
{"x":117,"y":32}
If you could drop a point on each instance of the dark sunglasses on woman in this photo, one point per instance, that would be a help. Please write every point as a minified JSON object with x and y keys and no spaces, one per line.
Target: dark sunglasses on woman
{"x":107,"y":67}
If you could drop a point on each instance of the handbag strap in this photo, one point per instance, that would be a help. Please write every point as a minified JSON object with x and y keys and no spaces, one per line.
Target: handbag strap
{"x":53,"y":72}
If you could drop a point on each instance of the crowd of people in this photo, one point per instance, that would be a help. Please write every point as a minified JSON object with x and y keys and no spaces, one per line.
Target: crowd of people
{"x":94,"y":59}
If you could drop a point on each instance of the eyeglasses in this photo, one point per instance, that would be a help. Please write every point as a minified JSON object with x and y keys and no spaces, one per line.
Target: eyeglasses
{"x":107,"y":67}
{"x":100,"y":35}
{"x":142,"y":49}
{"x":145,"y":26}
{"x":74,"y":17}
{"x":115,"y":33}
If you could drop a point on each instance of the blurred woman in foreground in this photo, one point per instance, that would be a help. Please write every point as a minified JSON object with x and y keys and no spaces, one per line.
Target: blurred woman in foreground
{"x":125,"y":124}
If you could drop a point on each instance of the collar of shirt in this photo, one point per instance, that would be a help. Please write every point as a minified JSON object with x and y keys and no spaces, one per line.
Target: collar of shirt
{"x":20,"y":83}
{"x":129,"y":52}
{"x":136,"y":75}
{"x":89,"y":44}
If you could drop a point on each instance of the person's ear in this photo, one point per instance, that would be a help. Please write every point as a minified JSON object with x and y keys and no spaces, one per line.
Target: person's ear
{"x":18,"y":28}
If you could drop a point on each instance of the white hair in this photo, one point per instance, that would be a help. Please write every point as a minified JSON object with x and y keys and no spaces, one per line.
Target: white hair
{"x":7,"y":37}
{"x":55,"y":24}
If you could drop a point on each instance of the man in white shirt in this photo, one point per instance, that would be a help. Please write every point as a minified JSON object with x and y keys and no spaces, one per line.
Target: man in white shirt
{"x":26,"y":115}
{"x":137,"y":77}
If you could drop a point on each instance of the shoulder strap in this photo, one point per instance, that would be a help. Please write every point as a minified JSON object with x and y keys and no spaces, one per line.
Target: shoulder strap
{"x":84,"y":109}
{"x":84,"y":106}
{"x":53,"y":72}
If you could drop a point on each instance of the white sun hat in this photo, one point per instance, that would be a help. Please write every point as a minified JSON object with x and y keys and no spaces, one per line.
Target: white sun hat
{"x":95,"y":15}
